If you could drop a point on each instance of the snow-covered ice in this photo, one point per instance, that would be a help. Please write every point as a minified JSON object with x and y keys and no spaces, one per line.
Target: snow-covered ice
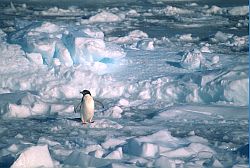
{"x":173,"y":77}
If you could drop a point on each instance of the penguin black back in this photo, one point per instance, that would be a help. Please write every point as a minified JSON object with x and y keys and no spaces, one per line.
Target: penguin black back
{"x":84,"y":92}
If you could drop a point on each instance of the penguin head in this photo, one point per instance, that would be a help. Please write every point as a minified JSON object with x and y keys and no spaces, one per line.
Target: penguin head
{"x":85,"y":92}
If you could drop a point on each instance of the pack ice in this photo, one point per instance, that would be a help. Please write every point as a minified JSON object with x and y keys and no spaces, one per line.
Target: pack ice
{"x":173,"y":77}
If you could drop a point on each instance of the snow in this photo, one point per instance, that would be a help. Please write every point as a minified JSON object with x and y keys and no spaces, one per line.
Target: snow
{"x":173,"y":78}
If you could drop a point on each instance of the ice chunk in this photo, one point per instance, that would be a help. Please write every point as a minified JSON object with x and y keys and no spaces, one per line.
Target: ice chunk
{"x":145,"y":94}
{"x":94,"y":33}
{"x":2,"y":35}
{"x":192,"y":150}
{"x":105,"y":16}
{"x":171,"y":10}
{"x":63,"y":54}
{"x":45,"y":140}
{"x":162,"y":162}
{"x":28,"y":99}
{"x":221,"y":37}
{"x":144,"y":149}
{"x":237,"y":91}
{"x":85,"y":49}
{"x":133,"y":13}
{"x":46,"y":48}
{"x":186,"y":37}
{"x":80,"y":159}
{"x":197,"y":139}
{"x":97,"y":153}
{"x":92,"y":147}
{"x":35,"y":58}
{"x":123,"y":102}
{"x":239,"y":10}
{"x":61,"y":108}
{"x":46,"y":27}
{"x":205,"y":49}
{"x":114,"y":112}
{"x":150,"y":146}
{"x":137,"y":34}
{"x":117,"y":154}
{"x":192,"y":60}
{"x":214,"y":10}
{"x":217,"y":164}
{"x":40,"y":108}
{"x":215,"y":59}
{"x":133,"y":37}
{"x":19,"y":136}
{"x":145,"y":45}
{"x":120,"y":165}
{"x":55,"y":11}
{"x":238,"y":43}
{"x":19,"y":111}
{"x":105,"y":123}
{"x":35,"y":156}
{"x":13,"y":148}
{"x":112,"y":142}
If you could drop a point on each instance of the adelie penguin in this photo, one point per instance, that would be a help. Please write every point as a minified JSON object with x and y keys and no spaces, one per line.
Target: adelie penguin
{"x":87,"y":107}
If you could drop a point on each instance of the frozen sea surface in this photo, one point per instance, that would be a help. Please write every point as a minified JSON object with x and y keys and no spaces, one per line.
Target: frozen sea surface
{"x":173,"y":77}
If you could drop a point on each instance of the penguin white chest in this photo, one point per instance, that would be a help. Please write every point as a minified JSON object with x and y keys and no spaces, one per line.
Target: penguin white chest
{"x":88,"y":108}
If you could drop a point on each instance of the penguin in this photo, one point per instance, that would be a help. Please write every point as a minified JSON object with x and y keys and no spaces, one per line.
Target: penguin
{"x":87,"y":107}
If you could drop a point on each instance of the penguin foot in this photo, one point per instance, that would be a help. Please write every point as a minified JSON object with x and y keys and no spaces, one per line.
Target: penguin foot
{"x":84,"y":123}
{"x":91,"y":121}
